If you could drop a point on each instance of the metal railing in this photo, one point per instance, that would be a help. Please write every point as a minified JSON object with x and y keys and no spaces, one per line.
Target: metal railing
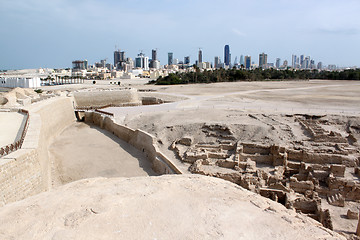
{"x":16,"y":145}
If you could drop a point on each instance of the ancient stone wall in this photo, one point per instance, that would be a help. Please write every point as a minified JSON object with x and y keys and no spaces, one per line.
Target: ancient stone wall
{"x":96,"y":99}
{"x":26,"y":171}
{"x":139,"y":139}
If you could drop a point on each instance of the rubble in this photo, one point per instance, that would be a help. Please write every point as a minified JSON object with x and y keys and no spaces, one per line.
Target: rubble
{"x":298,"y":175}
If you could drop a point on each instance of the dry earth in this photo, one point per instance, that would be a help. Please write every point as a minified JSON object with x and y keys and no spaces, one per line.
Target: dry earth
{"x":166,"y":207}
{"x":265,"y":113}
{"x":82,"y":151}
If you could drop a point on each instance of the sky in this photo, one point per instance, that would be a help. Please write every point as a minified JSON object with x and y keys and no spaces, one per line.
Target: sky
{"x":53,"y":33}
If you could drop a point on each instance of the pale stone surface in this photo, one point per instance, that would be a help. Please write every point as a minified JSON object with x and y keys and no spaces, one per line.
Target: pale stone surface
{"x":85,"y":151}
{"x":166,"y":207}
{"x":10,"y":127}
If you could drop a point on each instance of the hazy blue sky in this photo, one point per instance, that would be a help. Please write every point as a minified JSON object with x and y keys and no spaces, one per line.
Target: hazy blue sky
{"x":52,"y":33}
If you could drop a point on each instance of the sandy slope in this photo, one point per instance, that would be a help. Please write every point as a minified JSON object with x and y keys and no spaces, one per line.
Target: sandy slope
{"x":166,"y":207}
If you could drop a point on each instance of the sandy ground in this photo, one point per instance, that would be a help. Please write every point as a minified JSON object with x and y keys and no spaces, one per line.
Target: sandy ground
{"x":10,"y":127}
{"x":165,"y":207}
{"x":253,"y":111}
{"x":83,"y":151}
{"x":315,"y":97}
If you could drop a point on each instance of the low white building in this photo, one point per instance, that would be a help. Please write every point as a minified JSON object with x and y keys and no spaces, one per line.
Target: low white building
{"x":14,"y":82}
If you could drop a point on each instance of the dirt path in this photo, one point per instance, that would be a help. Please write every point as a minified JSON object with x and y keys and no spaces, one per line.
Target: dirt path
{"x":83,"y":151}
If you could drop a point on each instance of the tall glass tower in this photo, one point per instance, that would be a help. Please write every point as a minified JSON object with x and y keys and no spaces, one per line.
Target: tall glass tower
{"x":200,"y":56}
{"x":170,"y":58}
{"x":227,"y":55}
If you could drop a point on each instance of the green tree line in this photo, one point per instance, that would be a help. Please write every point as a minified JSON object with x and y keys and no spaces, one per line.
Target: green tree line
{"x":232,"y":75}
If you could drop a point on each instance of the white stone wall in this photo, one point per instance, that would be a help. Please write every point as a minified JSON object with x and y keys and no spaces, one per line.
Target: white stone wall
{"x":20,"y":82}
{"x":27,"y":171}
{"x":107,"y":97}
{"x":141,"y":140}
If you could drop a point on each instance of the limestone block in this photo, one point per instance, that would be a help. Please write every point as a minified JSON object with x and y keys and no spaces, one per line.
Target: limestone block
{"x":301,"y":186}
{"x":320,"y":175}
{"x":305,"y":205}
{"x":187,"y":141}
{"x":325,"y":219}
{"x":252,"y":148}
{"x":337,"y":170}
{"x":192,"y":156}
{"x":352,"y":214}
{"x":218,"y":155}
{"x":357,"y":171}
{"x":226,"y":164}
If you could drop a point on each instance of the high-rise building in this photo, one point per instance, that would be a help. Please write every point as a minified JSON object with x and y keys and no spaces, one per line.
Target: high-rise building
{"x":277,"y":64}
{"x":119,"y":56}
{"x":293,"y":61}
{"x":247,"y":62}
{"x":187,"y":60}
{"x":320,"y":66}
{"x":122,"y":56}
{"x":116,"y":57}
{"x":78,"y":65}
{"x":154,"y":54}
{"x":200,"y":56}
{"x":109,"y":66}
{"x":302,"y":58}
{"x":332,"y":67}
{"x":242,"y":62}
{"x":176,"y":61}
{"x":170,"y":58}
{"x":262,"y":60}
{"x":86,"y":64}
{"x":312,"y":64}
{"x":103,"y":63}
{"x":154,"y":63}
{"x":307,"y":63}
{"x":217,"y":62}
{"x":142,"y":62}
{"x":236,"y":61}
{"x":285,"y":63}
{"x":227,"y":55}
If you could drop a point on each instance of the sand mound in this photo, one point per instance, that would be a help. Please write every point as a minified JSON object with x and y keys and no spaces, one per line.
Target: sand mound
{"x":11,"y":98}
{"x":166,"y":207}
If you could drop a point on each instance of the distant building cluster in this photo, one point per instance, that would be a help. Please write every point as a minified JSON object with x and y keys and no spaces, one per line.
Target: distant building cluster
{"x":142,"y":66}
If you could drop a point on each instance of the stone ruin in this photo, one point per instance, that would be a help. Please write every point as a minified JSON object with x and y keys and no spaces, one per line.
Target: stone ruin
{"x":297,"y":177}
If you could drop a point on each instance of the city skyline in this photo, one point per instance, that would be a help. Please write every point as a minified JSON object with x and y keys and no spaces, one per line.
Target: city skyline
{"x":51,"y":34}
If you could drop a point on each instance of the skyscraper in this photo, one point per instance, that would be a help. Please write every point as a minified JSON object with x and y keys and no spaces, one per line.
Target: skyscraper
{"x":154,"y":63}
{"x":247,"y":62}
{"x":170,"y":58}
{"x":119,"y":58}
{"x":262,"y":60}
{"x":277,"y":63}
{"x":293,"y":61}
{"x":142,"y":62}
{"x":116,"y":57}
{"x":227,"y":55}
{"x":187,"y":60}
{"x":319,"y":66}
{"x":154,"y":54}
{"x":302,"y":58}
{"x":200,"y":55}
{"x":242,"y":60}
{"x":217,"y":62}
{"x":86,"y":64}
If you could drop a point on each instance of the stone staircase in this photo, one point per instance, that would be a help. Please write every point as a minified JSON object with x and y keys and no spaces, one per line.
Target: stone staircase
{"x":336,"y":200}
